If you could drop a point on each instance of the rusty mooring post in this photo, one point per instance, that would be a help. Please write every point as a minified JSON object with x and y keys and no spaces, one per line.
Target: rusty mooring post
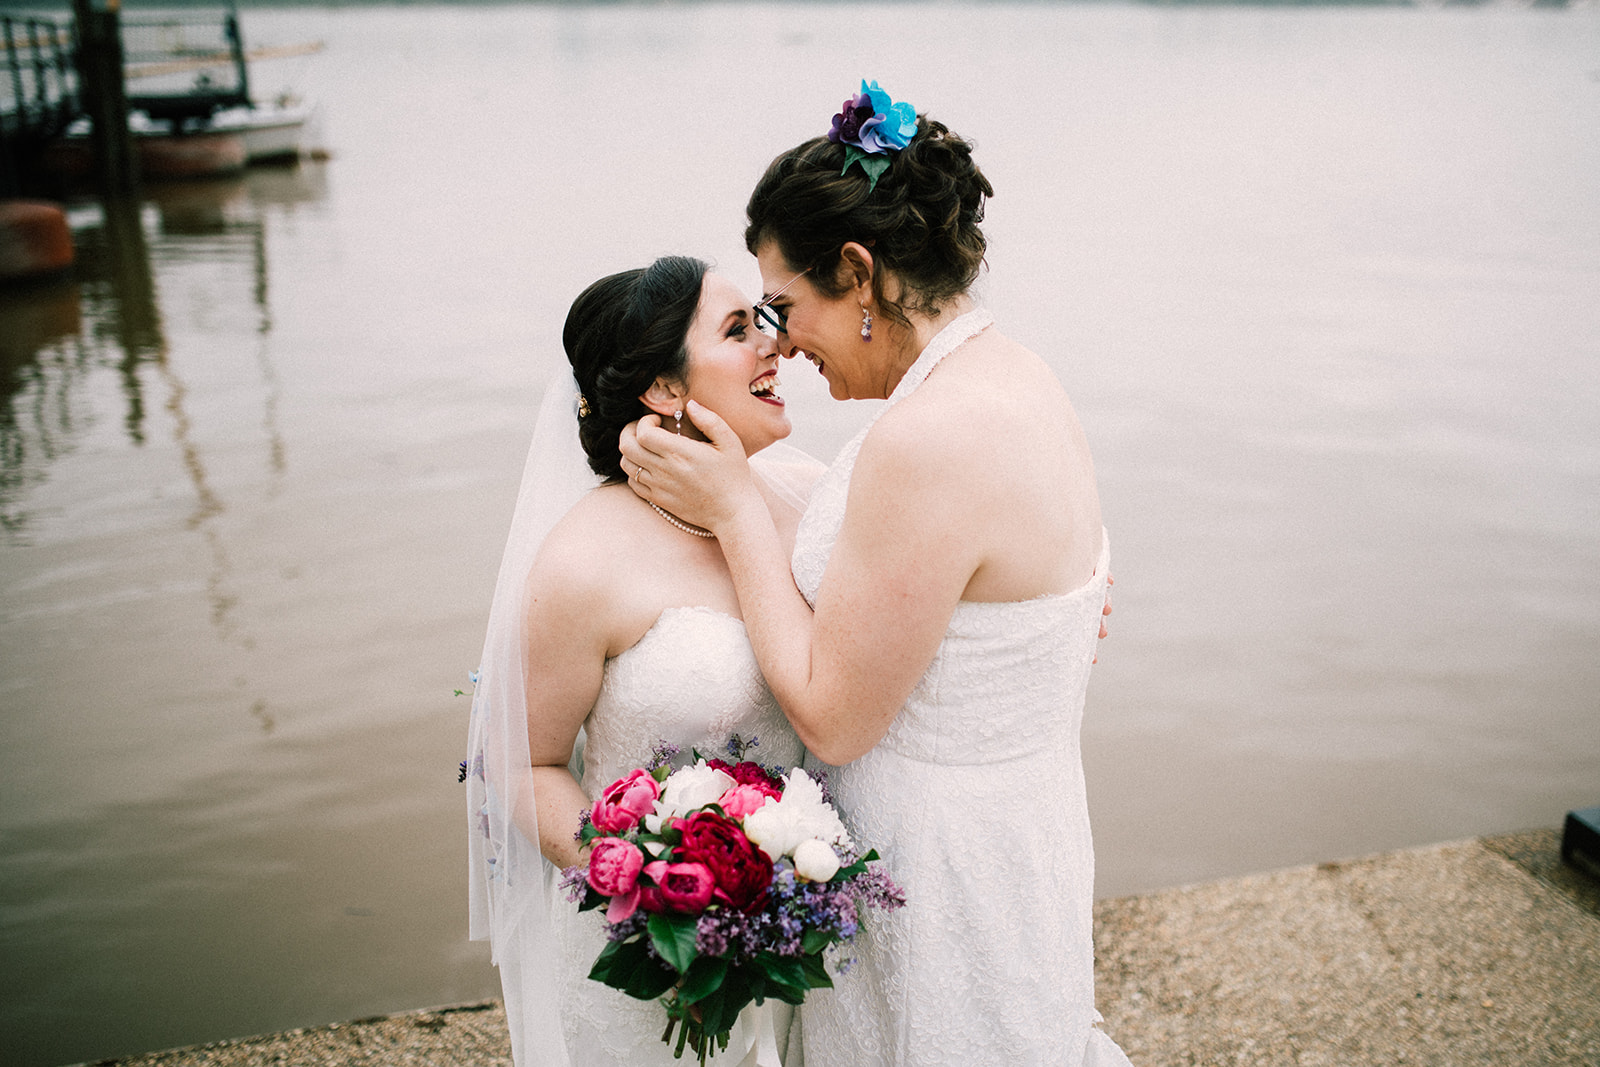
{"x":104,"y":97}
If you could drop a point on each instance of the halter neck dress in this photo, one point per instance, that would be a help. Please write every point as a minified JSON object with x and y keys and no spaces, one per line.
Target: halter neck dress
{"x":975,"y":799}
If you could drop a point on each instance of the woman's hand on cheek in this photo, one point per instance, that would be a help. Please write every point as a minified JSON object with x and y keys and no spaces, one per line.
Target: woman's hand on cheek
{"x":633,"y":453}
{"x":700,"y":482}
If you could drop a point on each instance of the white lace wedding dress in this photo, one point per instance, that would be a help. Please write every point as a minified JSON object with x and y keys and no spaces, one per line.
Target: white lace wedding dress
{"x":975,"y":799}
{"x":691,"y":680}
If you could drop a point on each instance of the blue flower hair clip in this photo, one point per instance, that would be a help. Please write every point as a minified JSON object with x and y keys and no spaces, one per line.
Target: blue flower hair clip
{"x":870,"y":126}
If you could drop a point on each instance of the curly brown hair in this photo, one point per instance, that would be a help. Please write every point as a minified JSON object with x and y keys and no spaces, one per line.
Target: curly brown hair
{"x":921,"y":220}
{"x":622,"y":333}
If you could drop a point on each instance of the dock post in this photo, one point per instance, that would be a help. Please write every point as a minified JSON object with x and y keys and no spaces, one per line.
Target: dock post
{"x":104,"y":96}
{"x":241,"y":70}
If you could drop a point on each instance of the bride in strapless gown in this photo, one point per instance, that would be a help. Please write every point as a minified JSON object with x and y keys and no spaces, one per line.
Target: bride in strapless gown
{"x":615,"y":628}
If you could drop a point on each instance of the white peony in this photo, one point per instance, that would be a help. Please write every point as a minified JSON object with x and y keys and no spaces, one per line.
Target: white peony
{"x":688,"y":789}
{"x":815,"y":861}
{"x":801,"y":814}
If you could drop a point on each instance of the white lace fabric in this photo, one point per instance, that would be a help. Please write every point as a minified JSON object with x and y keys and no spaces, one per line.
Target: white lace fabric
{"x":975,"y":798}
{"x":691,"y":680}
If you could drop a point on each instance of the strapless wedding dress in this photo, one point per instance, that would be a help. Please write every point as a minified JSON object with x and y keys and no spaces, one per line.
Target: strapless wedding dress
{"x":691,"y":680}
{"x":975,"y":799}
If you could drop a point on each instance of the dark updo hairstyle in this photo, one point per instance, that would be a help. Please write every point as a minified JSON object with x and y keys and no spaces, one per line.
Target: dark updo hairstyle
{"x":921,"y":221}
{"x":622,"y":333}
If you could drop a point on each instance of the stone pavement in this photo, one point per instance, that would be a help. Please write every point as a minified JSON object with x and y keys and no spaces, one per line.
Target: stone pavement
{"x":1475,"y":952}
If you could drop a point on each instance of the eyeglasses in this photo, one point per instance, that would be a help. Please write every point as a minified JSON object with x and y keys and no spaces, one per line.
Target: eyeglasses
{"x":777,"y":318}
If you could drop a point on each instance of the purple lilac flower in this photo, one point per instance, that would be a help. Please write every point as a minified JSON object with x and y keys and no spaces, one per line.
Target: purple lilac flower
{"x":826,"y":785}
{"x":709,"y":937}
{"x":790,"y":931}
{"x":575,"y":882}
{"x":629,"y":927}
{"x":729,"y":933}
{"x":874,"y":889}
{"x":663,"y":754}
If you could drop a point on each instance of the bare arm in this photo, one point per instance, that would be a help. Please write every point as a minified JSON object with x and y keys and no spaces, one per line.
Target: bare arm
{"x":566,"y":654}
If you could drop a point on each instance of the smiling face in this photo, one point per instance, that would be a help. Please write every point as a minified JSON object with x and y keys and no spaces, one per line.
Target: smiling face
{"x":733,"y":367}
{"x":826,"y":330}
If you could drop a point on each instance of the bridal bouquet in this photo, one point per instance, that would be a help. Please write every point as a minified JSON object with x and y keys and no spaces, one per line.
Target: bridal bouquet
{"x":723,"y":884}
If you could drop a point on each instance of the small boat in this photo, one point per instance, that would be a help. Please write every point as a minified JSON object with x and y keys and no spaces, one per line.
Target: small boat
{"x":224,"y":143}
{"x":272,"y":133}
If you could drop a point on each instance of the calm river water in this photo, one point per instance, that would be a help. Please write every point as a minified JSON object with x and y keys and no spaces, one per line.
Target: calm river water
{"x":1324,"y":282}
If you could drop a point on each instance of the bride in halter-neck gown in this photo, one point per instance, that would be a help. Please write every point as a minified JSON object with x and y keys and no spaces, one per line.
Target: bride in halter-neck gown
{"x":975,"y":798}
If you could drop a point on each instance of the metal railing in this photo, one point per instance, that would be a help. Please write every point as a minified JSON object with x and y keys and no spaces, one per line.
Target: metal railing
{"x":182,"y":67}
{"x":38,"y":90}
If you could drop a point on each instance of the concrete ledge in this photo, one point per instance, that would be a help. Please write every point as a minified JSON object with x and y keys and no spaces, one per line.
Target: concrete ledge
{"x":1476,"y":952}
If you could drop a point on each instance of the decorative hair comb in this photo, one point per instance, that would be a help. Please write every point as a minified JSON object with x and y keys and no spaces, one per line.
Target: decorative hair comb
{"x":870,"y":126}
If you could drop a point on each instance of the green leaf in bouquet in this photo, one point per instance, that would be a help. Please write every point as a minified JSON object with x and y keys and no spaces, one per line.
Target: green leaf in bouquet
{"x":844,"y":874}
{"x":612,"y":960}
{"x":703,"y":978}
{"x":650,"y":979}
{"x":814,"y":941}
{"x":592,"y":899}
{"x":720,"y":1009}
{"x":787,"y":976}
{"x":673,"y":936}
{"x":817,"y":976}
{"x":588,"y":832}
{"x":787,"y":994}
{"x":628,"y":966}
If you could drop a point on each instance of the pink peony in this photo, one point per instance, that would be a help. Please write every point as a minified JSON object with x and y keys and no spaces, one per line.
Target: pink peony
{"x":741,"y":800}
{"x":625,"y":802}
{"x":683,"y":887}
{"x":614,"y":866}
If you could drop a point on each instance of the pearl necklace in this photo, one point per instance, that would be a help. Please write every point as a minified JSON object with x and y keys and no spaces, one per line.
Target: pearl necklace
{"x":679,"y":523}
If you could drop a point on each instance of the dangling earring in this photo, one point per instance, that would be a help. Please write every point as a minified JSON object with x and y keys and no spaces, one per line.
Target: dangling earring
{"x":866,"y":324}
{"x":677,"y":417}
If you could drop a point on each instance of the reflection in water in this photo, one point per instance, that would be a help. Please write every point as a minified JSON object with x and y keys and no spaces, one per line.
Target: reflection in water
{"x":109,"y":316}
{"x":40,"y":354}
{"x":56,"y":342}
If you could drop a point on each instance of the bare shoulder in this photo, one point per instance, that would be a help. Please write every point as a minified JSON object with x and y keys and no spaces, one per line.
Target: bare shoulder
{"x":611,"y":566}
{"x":989,"y":398}
{"x":990,"y":452}
{"x":576,"y":564}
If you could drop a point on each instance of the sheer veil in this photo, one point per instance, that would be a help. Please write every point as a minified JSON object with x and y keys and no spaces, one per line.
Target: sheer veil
{"x":511,"y":885}
{"x":509,"y":881}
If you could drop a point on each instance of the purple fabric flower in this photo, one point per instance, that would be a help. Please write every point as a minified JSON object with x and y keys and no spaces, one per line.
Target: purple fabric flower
{"x":847,"y":123}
